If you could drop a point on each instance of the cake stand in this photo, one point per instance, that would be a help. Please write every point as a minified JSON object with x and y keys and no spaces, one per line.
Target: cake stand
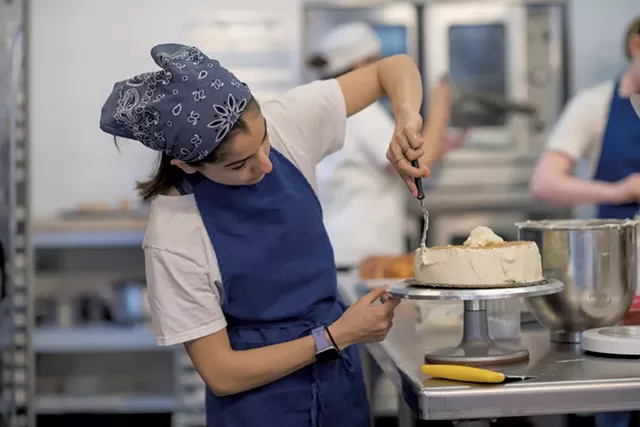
{"x":476,"y":347}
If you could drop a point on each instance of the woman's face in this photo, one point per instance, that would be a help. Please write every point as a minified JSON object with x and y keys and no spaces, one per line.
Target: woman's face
{"x":244,"y":160}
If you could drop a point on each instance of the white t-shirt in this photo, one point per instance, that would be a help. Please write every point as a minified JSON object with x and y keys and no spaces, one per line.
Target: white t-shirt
{"x":183,"y":278}
{"x":364,"y":205}
{"x":580,"y":129}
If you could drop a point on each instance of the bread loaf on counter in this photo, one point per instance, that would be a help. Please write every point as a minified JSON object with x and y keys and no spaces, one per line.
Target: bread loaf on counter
{"x":388,"y":267}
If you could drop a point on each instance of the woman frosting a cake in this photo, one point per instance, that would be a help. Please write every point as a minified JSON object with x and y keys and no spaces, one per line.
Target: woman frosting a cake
{"x":239,"y":267}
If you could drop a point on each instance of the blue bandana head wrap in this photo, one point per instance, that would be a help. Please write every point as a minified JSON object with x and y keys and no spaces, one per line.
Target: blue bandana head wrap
{"x":184,"y":110}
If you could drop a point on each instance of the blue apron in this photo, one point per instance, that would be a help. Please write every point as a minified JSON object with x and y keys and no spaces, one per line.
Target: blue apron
{"x":279,"y":280}
{"x":620,"y":154}
{"x":619,"y":158}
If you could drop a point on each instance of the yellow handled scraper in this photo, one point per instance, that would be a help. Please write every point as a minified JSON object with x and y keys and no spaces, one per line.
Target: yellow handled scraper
{"x":470,"y":375}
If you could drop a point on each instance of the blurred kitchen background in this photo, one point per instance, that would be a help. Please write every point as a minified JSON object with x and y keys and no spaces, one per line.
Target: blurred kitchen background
{"x":76,"y":345}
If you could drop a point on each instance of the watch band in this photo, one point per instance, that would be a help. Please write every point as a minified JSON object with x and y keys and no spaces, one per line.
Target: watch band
{"x":331,"y":338}
{"x":319,"y":338}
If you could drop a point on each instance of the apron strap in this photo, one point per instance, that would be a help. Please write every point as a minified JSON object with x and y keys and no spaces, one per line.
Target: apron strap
{"x":184,"y":187}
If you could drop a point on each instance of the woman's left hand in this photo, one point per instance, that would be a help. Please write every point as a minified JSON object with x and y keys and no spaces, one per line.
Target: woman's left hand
{"x":407,"y":145}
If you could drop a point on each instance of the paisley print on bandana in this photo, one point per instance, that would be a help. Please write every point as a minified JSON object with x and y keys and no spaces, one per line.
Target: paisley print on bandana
{"x":185,"y":110}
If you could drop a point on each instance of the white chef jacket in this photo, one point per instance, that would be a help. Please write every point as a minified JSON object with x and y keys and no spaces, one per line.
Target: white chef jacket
{"x":364,"y":205}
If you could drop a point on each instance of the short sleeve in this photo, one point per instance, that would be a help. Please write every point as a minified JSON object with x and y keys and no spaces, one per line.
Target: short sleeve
{"x":574,"y":133}
{"x":184,"y":305}
{"x":312,"y":117}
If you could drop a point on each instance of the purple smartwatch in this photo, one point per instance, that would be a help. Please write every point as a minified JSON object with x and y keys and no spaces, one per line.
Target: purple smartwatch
{"x":325,"y":351}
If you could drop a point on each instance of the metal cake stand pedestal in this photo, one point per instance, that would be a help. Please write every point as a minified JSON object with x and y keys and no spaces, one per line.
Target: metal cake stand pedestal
{"x":476,"y":347}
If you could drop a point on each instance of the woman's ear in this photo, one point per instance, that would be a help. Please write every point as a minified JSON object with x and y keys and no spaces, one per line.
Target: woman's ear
{"x":186,"y":168}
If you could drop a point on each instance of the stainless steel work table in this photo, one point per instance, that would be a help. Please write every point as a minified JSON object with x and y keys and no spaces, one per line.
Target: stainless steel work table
{"x":567,"y":381}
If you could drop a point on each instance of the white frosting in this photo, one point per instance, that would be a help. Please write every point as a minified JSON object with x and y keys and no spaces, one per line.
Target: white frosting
{"x":482,"y":236}
{"x":484,"y":260}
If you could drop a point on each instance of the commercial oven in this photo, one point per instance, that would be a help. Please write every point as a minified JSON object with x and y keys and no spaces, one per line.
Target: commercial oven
{"x":512,"y":50}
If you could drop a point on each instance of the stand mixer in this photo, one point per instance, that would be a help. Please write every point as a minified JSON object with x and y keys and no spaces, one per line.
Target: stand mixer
{"x":597,"y":262}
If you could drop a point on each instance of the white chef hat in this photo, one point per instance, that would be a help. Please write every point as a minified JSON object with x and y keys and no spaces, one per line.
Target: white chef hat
{"x":635,"y":101}
{"x":344,"y":46}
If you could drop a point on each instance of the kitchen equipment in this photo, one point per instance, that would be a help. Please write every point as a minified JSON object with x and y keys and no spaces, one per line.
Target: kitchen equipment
{"x":498,"y":104}
{"x":596,"y":260}
{"x":616,"y":340}
{"x":498,"y":51}
{"x":487,"y":100}
{"x":470,"y":108}
{"x":476,"y":346}
{"x":436,"y":315}
{"x":425,"y":212}
{"x":129,"y":303}
{"x":90,"y":309}
{"x":46,"y":311}
{"x":512,"y":51}
{"x":418,"y":182}
{"x":503,"y":318}
{"x":16,"y":310}
{"x":470,"y":374}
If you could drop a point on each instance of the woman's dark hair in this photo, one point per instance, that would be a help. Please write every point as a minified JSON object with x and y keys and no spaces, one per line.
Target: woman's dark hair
{"x":632,"y":30}
{"x":165,"y":175}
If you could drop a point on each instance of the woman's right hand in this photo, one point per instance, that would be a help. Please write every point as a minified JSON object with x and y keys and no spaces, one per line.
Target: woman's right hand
{"x":364,"y":322}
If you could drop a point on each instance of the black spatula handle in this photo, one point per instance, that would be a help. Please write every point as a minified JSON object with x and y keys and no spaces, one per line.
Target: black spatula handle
{"x":418,"y":181}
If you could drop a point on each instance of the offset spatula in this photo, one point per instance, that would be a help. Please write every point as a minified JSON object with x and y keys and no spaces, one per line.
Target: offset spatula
{"x":471,"y":375}
{"x":418,"y":182}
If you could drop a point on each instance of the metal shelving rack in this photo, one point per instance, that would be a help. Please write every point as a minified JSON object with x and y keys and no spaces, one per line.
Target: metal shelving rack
{"x":190,"y":392}
{"x":78,"y":342}
{"x":17,"y":364}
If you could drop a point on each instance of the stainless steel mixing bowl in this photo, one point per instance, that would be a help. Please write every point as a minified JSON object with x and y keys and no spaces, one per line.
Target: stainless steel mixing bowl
{"x":597,"y":262}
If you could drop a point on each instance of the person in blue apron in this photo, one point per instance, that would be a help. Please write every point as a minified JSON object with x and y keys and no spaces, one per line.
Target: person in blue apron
{"x":239,"y":267}
{"x":601,"y":127}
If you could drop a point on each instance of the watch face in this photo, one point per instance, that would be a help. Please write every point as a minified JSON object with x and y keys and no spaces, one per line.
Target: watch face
{"x":327,"y":355}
